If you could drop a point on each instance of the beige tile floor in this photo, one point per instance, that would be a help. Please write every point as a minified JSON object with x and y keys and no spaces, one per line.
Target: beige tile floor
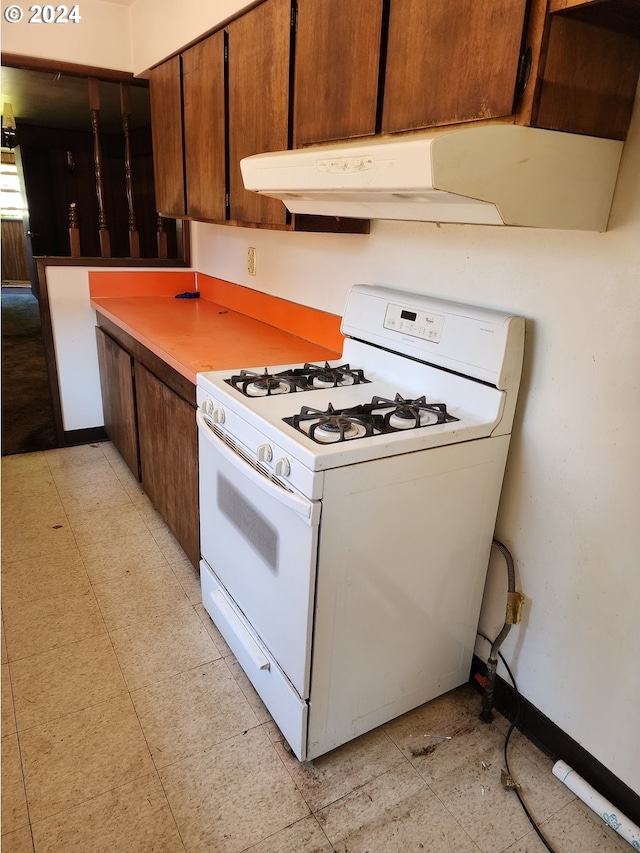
{"x":128,"y":726}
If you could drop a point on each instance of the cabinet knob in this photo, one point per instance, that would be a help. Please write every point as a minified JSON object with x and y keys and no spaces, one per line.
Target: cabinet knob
{"x":282,"y":468}
{"x":265,"y":453}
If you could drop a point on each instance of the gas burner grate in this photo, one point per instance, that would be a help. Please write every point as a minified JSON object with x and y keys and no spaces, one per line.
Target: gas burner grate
{"x":409,"y":414}
{"x":332,"y":377}
{"x":310,"y":377}
{"x":331,"y":425}
{"x":381,"y":416}
{"x":253,"y":384}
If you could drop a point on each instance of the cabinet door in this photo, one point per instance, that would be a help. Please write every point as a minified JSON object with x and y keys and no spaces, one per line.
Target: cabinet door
{"x":337,"y":60}
{"x":259,"y":59}
{"x":589,"y":77}
{"x":165,"y":90}
{"x":451,"y":61}
{"x":169,"y":458}
{"x":118,"y":399}
{"x":203,"y":90}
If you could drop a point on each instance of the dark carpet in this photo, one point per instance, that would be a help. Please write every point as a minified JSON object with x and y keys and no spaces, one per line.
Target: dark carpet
{"x":27,"y":417}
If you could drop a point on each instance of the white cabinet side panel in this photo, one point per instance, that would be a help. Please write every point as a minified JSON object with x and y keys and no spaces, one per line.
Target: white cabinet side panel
{"x":73,"y":322}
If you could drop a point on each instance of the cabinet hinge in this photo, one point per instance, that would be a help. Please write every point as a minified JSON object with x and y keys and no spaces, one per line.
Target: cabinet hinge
{"x":294,"y":16}
{"x":226,"y":52}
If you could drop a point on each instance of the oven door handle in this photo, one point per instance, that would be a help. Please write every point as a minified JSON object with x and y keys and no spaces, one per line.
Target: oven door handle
{"x":308,"y":510}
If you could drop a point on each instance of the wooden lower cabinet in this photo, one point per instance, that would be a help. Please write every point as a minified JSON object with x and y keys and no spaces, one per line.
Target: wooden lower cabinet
{"x":169,"y":458}
{"x":118,"y":399}
{"x":153,"y":427}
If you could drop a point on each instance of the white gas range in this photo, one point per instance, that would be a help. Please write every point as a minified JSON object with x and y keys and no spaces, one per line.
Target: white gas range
{"x":347,"y":511}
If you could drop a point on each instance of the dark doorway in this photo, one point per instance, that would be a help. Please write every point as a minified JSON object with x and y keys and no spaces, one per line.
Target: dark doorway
{"x":27,"y":416}
{"x":54,"y":128}
{"x":90,"y":153}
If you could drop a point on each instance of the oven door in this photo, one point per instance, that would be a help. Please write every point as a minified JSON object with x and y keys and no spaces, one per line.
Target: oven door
{"x":260,"y":539}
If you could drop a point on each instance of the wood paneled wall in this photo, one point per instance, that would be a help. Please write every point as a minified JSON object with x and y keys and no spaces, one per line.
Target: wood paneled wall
{"x":53,"y":182}
{"x":14,"y":258}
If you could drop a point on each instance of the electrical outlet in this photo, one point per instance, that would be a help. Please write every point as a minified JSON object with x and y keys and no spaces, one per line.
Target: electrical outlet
{"x":251,"y":260}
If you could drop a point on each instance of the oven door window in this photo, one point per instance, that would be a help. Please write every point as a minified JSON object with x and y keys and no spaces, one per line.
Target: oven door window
{"x":261,"y":543}
{"x":254,"y":528}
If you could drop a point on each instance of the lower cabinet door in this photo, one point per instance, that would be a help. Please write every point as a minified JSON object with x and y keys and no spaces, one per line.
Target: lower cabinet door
{"x":169,"y":458}
{"x":118,"y":399}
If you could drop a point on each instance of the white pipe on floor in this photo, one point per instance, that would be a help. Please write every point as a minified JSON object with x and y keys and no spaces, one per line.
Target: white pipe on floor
{"x":606,"y":810}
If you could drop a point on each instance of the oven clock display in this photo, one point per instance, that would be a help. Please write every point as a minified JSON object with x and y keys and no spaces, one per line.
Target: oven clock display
{"x":417,"y":324}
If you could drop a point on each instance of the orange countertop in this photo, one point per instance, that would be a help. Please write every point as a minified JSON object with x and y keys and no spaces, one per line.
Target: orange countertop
{"x":195,"y":335}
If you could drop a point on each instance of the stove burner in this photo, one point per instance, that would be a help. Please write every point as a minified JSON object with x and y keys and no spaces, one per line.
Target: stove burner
{"x":330,"y":426}
{"x":266,"y":383}
{"x":261,"y":384}
{"x":379,"y":417}
{"x":410,"y":414}
{"x":332,"y":377}
{"x":307,"y":378}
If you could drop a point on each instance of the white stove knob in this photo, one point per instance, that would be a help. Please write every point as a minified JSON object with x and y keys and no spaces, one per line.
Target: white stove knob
{"x":282,"y":468}
{"x":265,"y":453}
{"x":217,"y":415}
{"x":207,"y":406}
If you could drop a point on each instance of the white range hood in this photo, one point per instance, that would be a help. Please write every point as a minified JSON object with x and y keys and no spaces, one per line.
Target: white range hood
{"x":490,"y":175}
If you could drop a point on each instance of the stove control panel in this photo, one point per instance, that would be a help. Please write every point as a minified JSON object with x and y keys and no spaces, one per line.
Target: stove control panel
{"x":412,"y":321}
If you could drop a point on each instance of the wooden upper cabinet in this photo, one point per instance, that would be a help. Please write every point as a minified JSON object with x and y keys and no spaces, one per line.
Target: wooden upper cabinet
{"x":204,"y":121}
{"x":587,"y":82}
{"x":337,"y":61}
{"x":355,"y":68}
{"x":451,"y":61}
{"x":627,"y":11}
{"x":165,"y":88}
{"x":259,"y":44}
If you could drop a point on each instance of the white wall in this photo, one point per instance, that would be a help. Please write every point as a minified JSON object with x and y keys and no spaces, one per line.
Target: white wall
{"x":161,"y":27}
{"x":116,"y":36}
{"x":101,"y":39}
{"x":569,"y":511}
{"x":73,"y":322}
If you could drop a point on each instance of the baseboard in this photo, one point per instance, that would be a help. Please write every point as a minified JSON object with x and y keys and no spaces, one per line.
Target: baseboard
{"x":84,"y":436}
{"x":559,"y":745}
